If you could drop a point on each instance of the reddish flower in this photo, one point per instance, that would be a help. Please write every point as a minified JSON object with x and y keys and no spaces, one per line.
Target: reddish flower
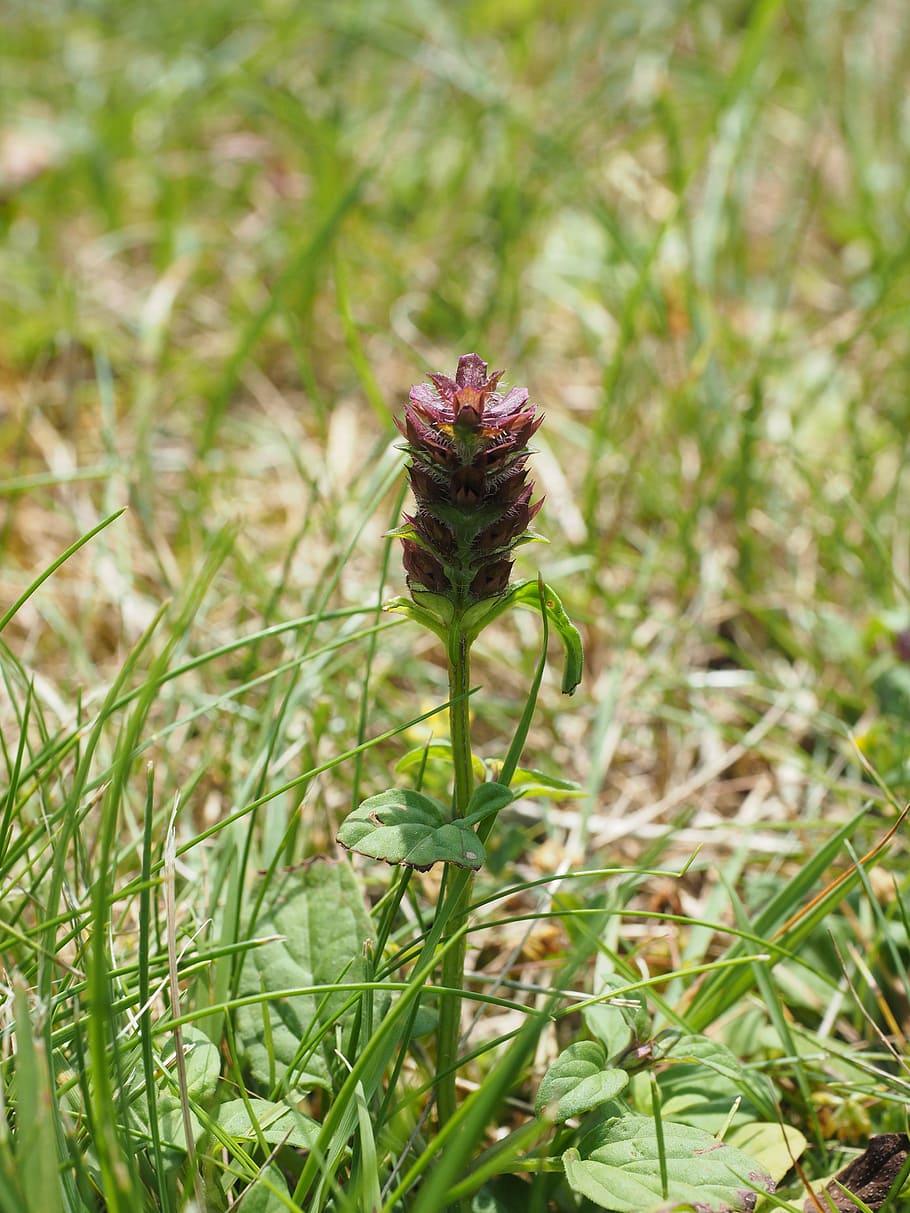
{"x":468,"y":450}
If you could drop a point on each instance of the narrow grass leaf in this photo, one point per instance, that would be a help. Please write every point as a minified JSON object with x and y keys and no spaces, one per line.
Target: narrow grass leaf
{"x":366,"y":1174}
{"x":146,"y":1038}
{"x":722,"y":989}
{"x":36,"y":1149}
{"x":55,"y":564}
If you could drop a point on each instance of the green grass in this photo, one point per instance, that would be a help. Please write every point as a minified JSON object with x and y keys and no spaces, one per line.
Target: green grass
{"x":230,"y":239}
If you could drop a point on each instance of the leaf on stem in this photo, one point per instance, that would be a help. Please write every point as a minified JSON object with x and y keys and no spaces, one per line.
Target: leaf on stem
{"x":432,"y":611}
{"x":486,"y":801}
{"x":577,"y":1081}
{"x":618,"y":1167}
{"x":528,"y":594}
{"x":402,"y":826}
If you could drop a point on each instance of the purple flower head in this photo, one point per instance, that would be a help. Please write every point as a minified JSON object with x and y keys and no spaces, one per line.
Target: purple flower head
{"x":468,"y":448}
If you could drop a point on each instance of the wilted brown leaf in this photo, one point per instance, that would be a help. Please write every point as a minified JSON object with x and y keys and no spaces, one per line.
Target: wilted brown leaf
{"x":869,"y":1177}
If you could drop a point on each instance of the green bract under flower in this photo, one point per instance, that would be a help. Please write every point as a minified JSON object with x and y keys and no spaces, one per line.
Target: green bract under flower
{"x":469,"y":449}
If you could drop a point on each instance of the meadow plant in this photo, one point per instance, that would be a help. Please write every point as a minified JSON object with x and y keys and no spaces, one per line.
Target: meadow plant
{"x":468,"y":454}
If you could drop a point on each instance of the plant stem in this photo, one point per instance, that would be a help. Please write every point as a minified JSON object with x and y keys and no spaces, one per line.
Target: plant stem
{"x":459,"y":723}
{"x":458,"y":883}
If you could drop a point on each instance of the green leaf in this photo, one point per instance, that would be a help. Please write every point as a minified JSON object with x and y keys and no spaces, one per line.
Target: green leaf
{"x":425,"y":1021}
{"x":527,"y":594}
{"x":36,"y":1148}
{"x":528,"y":782}
{"x":202,"y":1062}
{"x":718,"y":1058}
{"x":773,"y":1145}
{"x":436,"y":757}
{"x":486,"y":800}
{"x":277,"y":1123}
{"x":320,"y":923}
{"x":621,"y":1023}
{"x":402,"y":826}
{"x":618,"y":1167}
{"x":268,"y":1193}
{"x":433,"y":611}
{"x":578,"y":1081}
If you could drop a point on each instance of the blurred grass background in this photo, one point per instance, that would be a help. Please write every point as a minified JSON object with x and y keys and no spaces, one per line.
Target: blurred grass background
{"x":231,"y":240}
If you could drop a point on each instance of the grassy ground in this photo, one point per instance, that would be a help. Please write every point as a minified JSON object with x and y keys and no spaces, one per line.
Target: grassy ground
{"x":232,"y":238}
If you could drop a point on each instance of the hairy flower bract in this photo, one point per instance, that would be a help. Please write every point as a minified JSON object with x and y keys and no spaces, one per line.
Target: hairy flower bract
{"x":468,"y":446}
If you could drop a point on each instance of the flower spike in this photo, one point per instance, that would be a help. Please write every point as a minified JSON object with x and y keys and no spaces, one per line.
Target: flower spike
{"x":468,"y":447}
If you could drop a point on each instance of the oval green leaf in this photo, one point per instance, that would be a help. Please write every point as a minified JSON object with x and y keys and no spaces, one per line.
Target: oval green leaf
{"x":577,"y":1081}
{"x":315,"y":923}
{"x":618,"y":1167}
{"x":402,"y":826}
{"x":487,"y":800}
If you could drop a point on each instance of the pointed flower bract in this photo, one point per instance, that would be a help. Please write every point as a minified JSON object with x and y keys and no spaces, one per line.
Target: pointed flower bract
{"x":469,"y":449}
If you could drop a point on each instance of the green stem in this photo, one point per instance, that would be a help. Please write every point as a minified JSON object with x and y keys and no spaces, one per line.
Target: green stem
{"x":458,"y":883}
{"x":459,"y":723}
